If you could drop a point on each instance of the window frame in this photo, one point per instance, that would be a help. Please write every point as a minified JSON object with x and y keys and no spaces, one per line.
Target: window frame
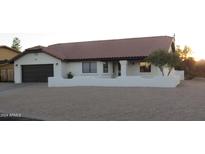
{"x":105,"y":69}
{"x":145,"y":69}
{"x":90,"y":69}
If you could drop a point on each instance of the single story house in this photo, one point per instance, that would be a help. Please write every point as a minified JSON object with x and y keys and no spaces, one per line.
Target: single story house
{"x":96,"y":63}
{"x":7,"y":69}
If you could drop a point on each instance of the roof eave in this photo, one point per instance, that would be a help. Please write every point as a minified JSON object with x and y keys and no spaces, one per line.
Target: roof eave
{"x":32,"y":51}
{"x":106,"y":59}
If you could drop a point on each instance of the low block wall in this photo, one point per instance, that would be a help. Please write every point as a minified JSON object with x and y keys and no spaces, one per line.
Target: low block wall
{"x":180,"y":74}
{"x":116,"y":82}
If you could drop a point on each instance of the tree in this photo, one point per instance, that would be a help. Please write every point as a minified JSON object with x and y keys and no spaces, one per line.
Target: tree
{"x":16,"y":44}
{"x":200,"y":68}
{"x":184,"y":53}
{"x":189,"y":68}
{"x":187,"y":62}
{"x":162,"y":58}
{"x":173,"y":60}
{"x":159,"y":59}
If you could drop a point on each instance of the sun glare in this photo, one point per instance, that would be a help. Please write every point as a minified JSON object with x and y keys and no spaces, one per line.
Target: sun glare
{"x":199,"y":56}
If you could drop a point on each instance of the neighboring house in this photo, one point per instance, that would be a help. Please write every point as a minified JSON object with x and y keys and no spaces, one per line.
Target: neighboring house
{"x":96,"y":63}
{"x":7,"y":69}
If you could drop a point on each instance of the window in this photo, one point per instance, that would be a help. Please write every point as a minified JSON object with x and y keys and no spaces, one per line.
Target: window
{"x":105,"y":67}
{"x":89,"y":67}
{"x":145,"y":67}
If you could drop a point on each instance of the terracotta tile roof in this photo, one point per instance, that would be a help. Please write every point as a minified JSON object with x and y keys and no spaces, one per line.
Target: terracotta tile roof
{"x":133,"y":47}
{"x":35,"y":48}
{"x":119,"y":48}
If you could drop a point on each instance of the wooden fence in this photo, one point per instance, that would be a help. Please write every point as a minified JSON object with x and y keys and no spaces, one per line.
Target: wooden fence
{"x":6,"y":75}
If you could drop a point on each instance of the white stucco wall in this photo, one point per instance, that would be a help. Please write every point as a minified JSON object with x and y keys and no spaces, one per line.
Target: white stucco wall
{"x":61,"y":69}
{"x":76,"y":69}
{"x":170,"y":49}
{"x":180,"y":74}
{"x":35,"y":59}
{"x":133,"y":69}
{"x":129,"y":81}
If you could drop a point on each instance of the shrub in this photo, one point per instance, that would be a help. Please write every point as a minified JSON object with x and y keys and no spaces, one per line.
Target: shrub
{"x":69,"y":75}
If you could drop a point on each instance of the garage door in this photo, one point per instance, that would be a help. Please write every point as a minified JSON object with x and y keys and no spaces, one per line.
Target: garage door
{"x":37,"y":73}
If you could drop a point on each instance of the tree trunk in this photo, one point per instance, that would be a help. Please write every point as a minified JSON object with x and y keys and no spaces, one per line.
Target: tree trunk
{"x":161,"y":69}
{"x":170,"y":69}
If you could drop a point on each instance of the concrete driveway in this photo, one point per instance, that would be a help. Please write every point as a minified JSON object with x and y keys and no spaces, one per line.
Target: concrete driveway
{"x":186,"y":102}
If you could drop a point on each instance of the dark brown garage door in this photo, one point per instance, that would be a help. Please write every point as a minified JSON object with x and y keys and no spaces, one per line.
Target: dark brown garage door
{"x":37,"y":73}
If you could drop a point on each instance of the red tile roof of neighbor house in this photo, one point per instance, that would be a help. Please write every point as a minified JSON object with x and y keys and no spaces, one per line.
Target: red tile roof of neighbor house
{"x":119,"y":48}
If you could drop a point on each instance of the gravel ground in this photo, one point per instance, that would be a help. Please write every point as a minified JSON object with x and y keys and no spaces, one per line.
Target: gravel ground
{"x":37,"y":101}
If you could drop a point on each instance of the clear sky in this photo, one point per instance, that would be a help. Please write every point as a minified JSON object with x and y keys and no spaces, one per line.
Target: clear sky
{"x":43,"y":22}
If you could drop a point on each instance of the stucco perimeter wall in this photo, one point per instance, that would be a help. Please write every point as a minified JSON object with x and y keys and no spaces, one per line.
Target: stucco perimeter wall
{"x":36,"y":59}
{"x":130,"y":81}
{"x":180,"y":74}
{"x":133,"y":69}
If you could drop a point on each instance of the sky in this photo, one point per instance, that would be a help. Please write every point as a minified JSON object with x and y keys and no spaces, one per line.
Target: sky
{"x":48,"y":22}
